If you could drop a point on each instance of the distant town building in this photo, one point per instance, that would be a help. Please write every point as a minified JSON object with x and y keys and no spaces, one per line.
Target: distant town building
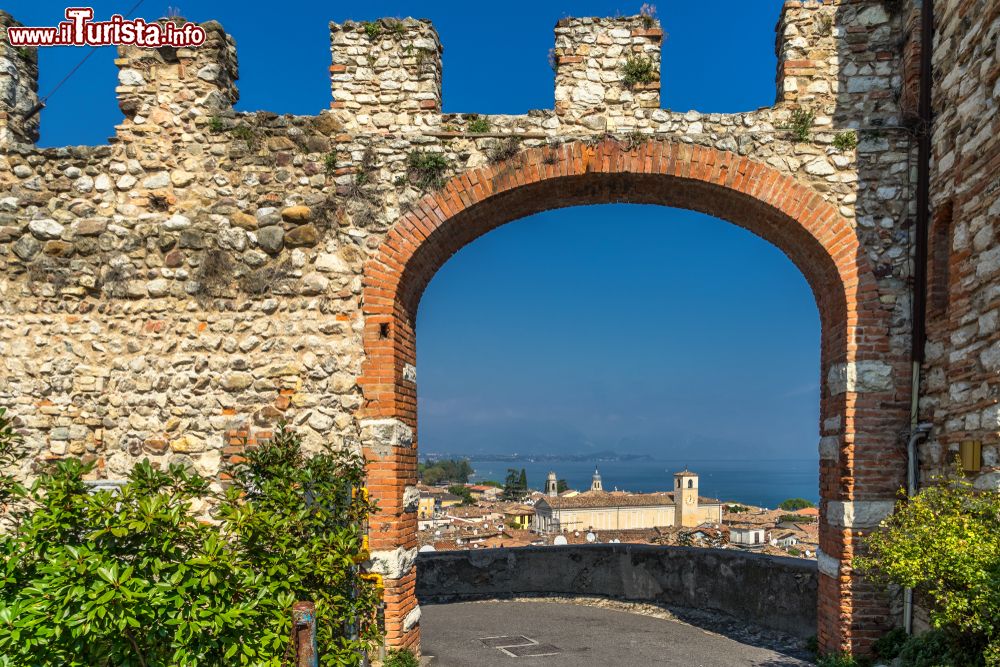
{"x":552,"y":485}
{"x":595,"y":482}
{"x":483,"y":492}
{"x":518,"y":517}
{"x":747,"y":536}
{"x":599,"y":510}
{"x":426,"y":505}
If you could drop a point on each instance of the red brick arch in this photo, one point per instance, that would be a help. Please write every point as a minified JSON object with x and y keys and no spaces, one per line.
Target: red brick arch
{"x":782,"y":210}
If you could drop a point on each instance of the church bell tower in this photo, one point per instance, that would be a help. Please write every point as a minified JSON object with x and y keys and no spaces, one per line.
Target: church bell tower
{"x":595,"y":483}
{"x":552,"y":485}
{"x":686,"y":499}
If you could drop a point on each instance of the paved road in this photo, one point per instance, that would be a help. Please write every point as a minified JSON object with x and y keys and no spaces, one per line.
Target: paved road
{"x":457,"y":635}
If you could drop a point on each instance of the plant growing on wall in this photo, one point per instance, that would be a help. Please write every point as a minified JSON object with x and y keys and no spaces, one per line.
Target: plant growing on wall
{"x":846,"y":141}
{"x":134,"y":578}
{"x":801,"y":123}
{"x":638,"y":70}
{"x":503,"y":149}
{"x":479,"y":125}
{"x":945,"y":544}
{"x":425,"y":169}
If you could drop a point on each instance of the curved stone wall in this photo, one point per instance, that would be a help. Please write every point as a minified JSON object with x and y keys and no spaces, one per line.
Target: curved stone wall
{"x":773,"y":592}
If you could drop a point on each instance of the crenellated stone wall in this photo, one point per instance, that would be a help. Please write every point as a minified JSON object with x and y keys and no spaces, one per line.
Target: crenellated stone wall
{"x":18,"y":89}
{"x":211,"y":272}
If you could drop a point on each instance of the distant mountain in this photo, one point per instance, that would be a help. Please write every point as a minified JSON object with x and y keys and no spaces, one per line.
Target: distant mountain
{"x":514,"y":458}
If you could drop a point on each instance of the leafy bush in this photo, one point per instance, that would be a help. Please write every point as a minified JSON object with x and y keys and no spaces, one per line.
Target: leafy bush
{"x":637,"y":70}
{"x":888,"y":646}
{"x":793,"y":504}
{"x":400,"y":658}
{"x":939,"y":648}
{"x":134,"y":579}
{"x":10,"y":443}
{"x":945,"y":544}
{"x":836,"y":660}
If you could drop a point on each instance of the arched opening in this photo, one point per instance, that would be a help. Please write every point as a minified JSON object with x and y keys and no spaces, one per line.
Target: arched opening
{"x":860,"y":382}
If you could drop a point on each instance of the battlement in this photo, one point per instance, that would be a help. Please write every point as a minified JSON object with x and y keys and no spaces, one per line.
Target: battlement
{"x":607,"y":70}
{"x":387,"y":72}
{"x":386,"y":77}
{"x":18,"y":89}
{"x":806,"y":47}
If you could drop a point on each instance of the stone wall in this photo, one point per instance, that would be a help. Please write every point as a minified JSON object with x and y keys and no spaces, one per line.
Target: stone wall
{"x":211,"y":272}
{"x":961,"y":387}
{"x":772,"y":592}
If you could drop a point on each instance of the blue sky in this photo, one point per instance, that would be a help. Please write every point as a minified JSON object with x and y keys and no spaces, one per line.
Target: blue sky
{"x":641,"y":329}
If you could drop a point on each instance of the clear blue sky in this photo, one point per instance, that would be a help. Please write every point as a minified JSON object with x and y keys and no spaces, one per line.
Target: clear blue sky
{"x":642,"y":329}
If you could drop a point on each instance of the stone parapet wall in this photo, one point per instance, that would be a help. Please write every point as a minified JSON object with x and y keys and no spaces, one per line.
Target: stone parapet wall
{"x":767,"y":591}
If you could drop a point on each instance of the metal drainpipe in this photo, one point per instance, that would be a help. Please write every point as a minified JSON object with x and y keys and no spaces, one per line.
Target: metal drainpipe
{"x":912,"y":471}
{"x":926,"y":114}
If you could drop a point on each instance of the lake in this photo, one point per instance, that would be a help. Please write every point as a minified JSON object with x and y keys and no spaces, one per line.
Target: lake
{"x":759,"y":482}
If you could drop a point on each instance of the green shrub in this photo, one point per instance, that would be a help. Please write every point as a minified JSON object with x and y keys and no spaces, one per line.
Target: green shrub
{"x":10,"y":444}
{"x":216,"y":124}
{"x":846,"y":141}
{"x":133,"y":578}
{"x":638,"y":69}
{"x":945,"y":544}
{"x":837,"y":660}
{"x":939,"y":648}
{"x":400,"y":658}
{"x":888,"y":646}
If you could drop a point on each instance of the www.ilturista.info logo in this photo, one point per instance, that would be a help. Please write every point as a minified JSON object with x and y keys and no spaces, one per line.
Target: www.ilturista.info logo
{"x":80,"y":30}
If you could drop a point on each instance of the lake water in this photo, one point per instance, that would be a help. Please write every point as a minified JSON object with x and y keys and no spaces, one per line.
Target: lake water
{"x":759,"y":482}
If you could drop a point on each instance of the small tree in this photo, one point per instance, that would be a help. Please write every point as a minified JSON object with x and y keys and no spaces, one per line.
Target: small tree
{"x":512,"y":488}
{"x":945,"y":544}
{"x":793,"y":504}
{"x":462,"y":492}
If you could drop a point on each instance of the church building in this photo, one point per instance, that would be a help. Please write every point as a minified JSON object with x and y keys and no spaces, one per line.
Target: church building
{"x":597,"y":509}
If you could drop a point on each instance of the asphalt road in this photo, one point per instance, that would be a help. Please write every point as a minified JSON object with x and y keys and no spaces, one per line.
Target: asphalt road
{"x":483,"y":634}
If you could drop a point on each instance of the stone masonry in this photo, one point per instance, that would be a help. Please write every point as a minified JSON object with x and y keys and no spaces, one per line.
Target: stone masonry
{"x":211,"y":272}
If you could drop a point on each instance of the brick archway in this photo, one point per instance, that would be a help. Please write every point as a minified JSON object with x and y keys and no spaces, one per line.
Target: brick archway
{"x":864,"y":390}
